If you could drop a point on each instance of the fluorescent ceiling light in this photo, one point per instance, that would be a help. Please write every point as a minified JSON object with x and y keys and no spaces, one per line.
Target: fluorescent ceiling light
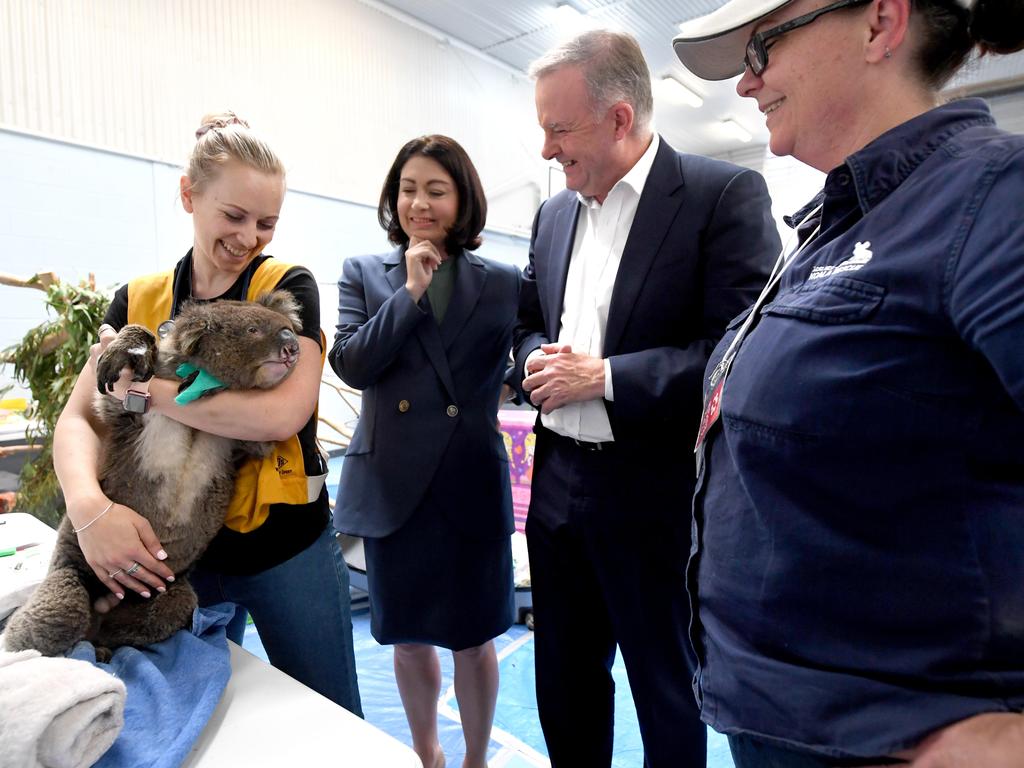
{"x":567,"y":14}
{"x":734,"y":130}
{"x":675,"y":91}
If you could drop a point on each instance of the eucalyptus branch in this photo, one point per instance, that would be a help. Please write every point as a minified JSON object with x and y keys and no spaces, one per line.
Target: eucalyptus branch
{"x":41,"y":281}
{"x":46,"y":362}
{"x":50,"y":342}
{"x":340,"y":430}
{"x":351,"y":397}
{"x":10,"y":450}
{"x":341,"y":389}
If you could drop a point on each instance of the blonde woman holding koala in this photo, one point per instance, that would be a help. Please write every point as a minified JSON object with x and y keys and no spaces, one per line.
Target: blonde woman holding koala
{"x":276,"y":545}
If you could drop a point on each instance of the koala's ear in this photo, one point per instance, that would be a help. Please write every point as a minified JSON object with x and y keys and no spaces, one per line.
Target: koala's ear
{"x":188,"y":332}
{"x":283,"y":303}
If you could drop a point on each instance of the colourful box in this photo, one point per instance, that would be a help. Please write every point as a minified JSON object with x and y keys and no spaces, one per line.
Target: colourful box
{"x":517,"y":431}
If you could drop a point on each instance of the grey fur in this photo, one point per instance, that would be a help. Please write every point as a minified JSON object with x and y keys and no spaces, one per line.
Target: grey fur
{"x":180,"y":479}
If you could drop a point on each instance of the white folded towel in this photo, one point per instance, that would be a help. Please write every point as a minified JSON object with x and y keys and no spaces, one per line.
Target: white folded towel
{"x":56,"y":712}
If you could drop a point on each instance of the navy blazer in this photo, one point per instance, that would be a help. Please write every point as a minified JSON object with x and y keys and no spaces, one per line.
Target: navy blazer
{"x":430,"y":395}
{"x":699,"y":251}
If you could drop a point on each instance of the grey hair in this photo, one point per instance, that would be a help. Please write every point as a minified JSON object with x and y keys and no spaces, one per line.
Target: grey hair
{"x":613,"y":68}
{"x":223,"y":137}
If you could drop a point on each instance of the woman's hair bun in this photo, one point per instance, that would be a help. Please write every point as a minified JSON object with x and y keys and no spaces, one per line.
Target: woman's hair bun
{"x":218,"y":120}
{"x":997,"y":26}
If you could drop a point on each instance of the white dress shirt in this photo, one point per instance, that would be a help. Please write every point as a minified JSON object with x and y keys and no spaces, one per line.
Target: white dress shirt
{"x":601,"y":233}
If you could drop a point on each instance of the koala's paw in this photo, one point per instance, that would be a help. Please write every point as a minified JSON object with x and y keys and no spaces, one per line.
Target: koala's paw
{"x":134,"y":348}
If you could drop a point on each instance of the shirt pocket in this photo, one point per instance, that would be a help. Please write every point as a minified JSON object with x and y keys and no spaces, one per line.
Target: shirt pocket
{"x":831,"y":301}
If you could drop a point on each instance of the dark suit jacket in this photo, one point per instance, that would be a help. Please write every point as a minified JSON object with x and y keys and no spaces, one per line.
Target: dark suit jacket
{"x":699,"y":250}
{"x":430,"y":396}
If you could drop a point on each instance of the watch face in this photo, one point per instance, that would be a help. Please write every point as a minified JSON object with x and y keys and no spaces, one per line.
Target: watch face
{"x":136,"y":402}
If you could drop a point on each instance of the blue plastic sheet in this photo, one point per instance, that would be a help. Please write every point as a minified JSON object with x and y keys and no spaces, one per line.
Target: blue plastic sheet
{"x":517,"y":738}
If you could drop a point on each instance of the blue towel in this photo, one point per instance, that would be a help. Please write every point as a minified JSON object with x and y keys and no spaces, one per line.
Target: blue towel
{"x":173,"y":688}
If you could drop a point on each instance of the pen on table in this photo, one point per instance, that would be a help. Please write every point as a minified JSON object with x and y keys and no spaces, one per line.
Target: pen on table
{"x":12,"y":550}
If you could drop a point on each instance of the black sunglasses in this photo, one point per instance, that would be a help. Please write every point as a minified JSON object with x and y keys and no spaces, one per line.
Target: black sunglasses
{"x":757,"y":51}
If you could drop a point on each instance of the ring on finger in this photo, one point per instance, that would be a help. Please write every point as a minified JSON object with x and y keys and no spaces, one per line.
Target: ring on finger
{"x":133,"y":568}
{"x":112,"y":574}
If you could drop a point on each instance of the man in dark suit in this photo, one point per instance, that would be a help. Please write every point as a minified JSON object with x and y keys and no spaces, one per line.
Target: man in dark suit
{"x":634,"y":272}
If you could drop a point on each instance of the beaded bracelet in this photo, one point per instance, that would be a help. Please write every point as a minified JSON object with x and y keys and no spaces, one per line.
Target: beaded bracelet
{"x":101,"y":514}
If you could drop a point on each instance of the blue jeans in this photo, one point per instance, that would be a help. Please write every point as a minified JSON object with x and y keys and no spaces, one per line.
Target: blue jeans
{"x":302,"y":611}
{"x":748,"y":752}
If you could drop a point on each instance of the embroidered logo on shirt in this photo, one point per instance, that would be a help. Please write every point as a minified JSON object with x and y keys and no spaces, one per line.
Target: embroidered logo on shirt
{"x":281,"y":461}
{"x":861,"y":256}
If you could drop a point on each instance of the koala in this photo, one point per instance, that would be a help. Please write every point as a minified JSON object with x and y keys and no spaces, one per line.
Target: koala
{"x":180,"y":479}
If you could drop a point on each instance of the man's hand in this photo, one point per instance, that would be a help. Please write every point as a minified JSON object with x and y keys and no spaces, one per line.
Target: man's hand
{"x":994,"y":740}
{"x":560,"y":376}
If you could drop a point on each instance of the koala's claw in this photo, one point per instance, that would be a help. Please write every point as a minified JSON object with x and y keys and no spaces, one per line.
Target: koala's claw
{"x":134,"y":348}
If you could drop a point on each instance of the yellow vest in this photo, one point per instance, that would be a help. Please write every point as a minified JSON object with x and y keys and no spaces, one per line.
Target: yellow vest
{"x":279,"y":478}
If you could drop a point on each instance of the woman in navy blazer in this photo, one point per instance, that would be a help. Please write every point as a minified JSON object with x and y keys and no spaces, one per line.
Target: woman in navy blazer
{"x":425,"y":332}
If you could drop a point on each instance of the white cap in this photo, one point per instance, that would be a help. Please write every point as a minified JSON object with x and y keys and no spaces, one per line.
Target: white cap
{"x":713,"y":46}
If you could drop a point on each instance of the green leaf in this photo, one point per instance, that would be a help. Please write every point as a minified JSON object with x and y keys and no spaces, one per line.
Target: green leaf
{"x":50,"y":378}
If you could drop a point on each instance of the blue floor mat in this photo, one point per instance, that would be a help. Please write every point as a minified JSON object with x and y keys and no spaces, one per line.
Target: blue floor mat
{"x":517,"y":741}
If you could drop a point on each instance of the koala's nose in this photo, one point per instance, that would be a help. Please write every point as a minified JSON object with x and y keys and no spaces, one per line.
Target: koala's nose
{"x":289,"y":344}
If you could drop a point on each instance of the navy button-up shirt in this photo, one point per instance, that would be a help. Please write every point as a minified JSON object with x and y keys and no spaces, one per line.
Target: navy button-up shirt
{"x":857,"y":573}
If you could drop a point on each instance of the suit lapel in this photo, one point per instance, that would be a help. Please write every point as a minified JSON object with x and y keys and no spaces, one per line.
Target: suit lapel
{"x":427,"y":332}
{"x":658,"y":207}
{"x":394,"y":269}
{"x":470,"y":276}
{"x":563,"y":235}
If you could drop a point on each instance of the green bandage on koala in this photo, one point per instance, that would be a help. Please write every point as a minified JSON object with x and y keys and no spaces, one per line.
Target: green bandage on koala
{"x":197,"y":382}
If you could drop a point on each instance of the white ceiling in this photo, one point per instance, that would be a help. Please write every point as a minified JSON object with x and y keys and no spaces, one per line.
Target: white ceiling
{"x":514,"y":32}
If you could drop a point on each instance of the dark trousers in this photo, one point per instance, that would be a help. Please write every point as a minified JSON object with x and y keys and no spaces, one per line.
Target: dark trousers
{"x":607,"y":556}
{"x":303,"y":612}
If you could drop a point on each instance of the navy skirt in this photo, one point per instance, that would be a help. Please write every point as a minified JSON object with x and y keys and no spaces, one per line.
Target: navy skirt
{"x":429,"y":583}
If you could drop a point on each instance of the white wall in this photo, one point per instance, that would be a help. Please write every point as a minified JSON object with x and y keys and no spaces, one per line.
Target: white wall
{"x":335,"y":85}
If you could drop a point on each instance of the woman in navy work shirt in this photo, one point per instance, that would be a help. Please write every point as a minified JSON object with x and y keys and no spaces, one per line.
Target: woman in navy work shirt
{"x":858,"y":559}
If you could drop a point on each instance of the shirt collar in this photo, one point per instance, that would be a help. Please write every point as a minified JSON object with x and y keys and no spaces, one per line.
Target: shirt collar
{"x":635,"y":178}
{"x":886,"y":162}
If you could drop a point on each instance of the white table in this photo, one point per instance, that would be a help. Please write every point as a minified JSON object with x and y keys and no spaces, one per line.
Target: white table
{"x":266,"y":718}
{"x":21,"y":573}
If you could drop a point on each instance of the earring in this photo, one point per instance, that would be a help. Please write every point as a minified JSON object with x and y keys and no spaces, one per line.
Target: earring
{"x":888,"y":53}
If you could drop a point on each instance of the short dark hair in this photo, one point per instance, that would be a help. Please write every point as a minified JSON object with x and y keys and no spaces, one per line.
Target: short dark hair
{"x":472,"y":213}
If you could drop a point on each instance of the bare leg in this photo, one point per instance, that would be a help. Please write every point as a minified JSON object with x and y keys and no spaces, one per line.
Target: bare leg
{"x":476,"y":688}
{"x":418,"y":673}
